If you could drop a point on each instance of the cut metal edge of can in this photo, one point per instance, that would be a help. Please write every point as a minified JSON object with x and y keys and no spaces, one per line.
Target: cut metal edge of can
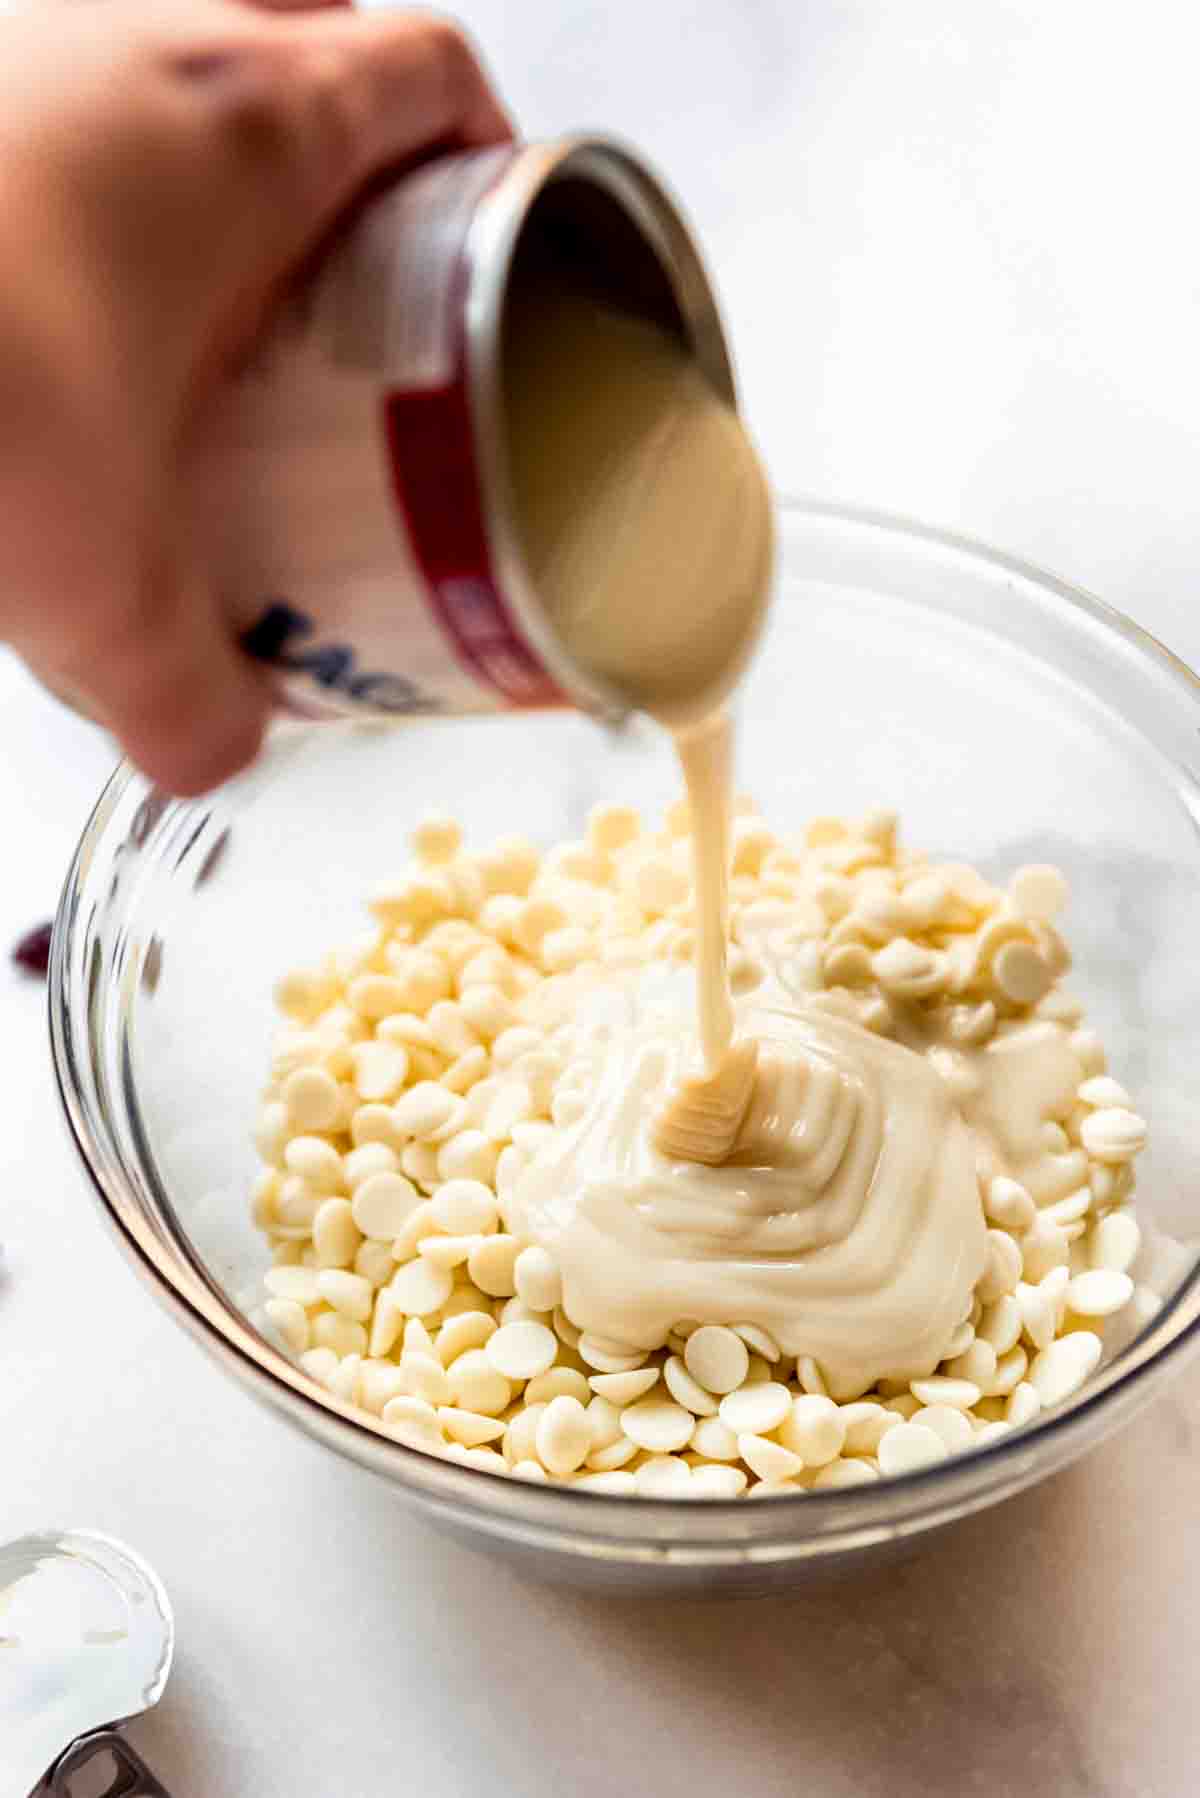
{"x":488,"y":251}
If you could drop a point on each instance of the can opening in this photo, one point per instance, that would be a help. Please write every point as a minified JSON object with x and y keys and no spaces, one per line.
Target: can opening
{"x":633,"y":498}
{"x":578,"y":234}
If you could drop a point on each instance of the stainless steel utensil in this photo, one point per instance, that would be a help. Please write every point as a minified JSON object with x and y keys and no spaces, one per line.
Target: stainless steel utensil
{"x":86,"y":1641}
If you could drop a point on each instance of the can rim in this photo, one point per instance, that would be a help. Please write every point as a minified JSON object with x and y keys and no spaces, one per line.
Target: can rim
{"x":490,"y":246}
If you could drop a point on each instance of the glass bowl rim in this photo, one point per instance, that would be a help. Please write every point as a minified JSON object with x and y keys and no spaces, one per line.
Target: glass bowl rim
{"x":282,"y":1384}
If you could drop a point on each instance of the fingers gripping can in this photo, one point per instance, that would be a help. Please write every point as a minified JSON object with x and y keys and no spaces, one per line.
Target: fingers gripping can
{"x":360,"y":516}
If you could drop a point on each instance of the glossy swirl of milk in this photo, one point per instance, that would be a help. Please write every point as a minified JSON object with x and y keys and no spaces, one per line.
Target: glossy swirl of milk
{"x":846,"y":1221}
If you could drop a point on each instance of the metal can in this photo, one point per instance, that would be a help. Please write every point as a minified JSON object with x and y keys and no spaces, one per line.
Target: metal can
{"x":356,"y":507}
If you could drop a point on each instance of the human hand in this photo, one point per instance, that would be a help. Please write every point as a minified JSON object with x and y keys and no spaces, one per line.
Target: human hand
{"x":163,"y":169}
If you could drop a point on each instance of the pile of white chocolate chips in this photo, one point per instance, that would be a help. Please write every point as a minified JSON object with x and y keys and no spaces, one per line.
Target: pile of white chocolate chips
{"x":423,"y":1071}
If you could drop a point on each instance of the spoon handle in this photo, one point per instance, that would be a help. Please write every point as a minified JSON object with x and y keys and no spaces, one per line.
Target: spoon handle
{"x":130,"y":1776}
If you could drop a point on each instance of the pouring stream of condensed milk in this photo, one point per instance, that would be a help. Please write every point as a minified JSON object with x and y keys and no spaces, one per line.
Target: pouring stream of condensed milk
{"x":765,"y":1163}
{"x":649,"y":530}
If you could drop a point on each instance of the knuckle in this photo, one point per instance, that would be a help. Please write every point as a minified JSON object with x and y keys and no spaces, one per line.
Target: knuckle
{"x":293,"y":117}
{"x":453,"y":58}
{"x":334,"y":104}
{"x":255,"y":114}
{"x":241,"y":88}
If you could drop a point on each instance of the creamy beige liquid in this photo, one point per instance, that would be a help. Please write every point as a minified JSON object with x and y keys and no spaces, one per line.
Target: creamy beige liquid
{"x":644,"y":511}
{"x":706,"y":755}
{"x":647,"y":525}
{"x":847,"y":1221}
{"x":797,"y":1172}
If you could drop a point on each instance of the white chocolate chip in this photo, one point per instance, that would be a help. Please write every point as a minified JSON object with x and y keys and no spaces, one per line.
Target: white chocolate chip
{"x":908,"y":1447}
{"x":685,"y":1390}
{"x":447,"y":1251}
{"x":316,"y":1161}
{"x":950,"y":1423}
{"x":477,"y":1385}
{"x":1037,"y":1310}
{"x":755,"y":1410}
{"x":814,"y":1429}
{"x":1101,"y":1091}
{"x":537,"y":1279}
{"x":419,"y":1288}
{"x":522,"y":1350}
{"x":530,"y":1470}
{"x":714,"y":1439}
{"x":335,"y":1234}
{"x":291,"y":1321}
{"x":417,"y":1225}
{"x":379,"y":1069}
{"x":471,"y":1428}
{"x":1100,"y":1292}
{"x":1001,"y":1324}
{"x":465,"y":1207}
{"x":623,"y":1389}
{"x":296,"y":1283}
{"x":1114,"y":1242}
{"x":423,"y":1110}
{"x":469,"y":1330}
{"x":467,"y":1156}
{"x":909,"y":971}
{"x":715,"y":1482}
{"x":1112,"y":1134}
{"x":343,"y":1335}
{"x":976,"y":1366}
{"x":556,"y":1380}
{"x":611,"y":827}
{"x":423,"y":1376}
{"x":492,"y":1265}
{"x":664,"y":1476}
{"x":1008,"y":1204}
{"x":386,"y":1323}
{"x":564,"y":1435}
{"x":604,"y":1460}
{"x":413,"y":1421}
{"x":311,"y":1098}
{"x":960,"y":1394}
{"x":717,"y":1358}
{"x":769,"y":1460}
{"x":607,"y":1357}
{"x":383,"y":1204}
{"x":866,"y":1423}
{"x":810,"y":1377}
{"x":1023,"y":1404}
{"x":1062,"y":1366}
{"x":1044,"y":1248}
{"x":348,"y":1293}
{"x":1003,"y":1268}
{"x":657,"y":1424}
{"x":1021,"y":974}
{"x":437,"y":838}
{"x":1010,"y":1371}
{"x":1038,"y":892}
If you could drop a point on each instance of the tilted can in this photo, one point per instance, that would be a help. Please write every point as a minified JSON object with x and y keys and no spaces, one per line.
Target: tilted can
{"x":356,"y":508}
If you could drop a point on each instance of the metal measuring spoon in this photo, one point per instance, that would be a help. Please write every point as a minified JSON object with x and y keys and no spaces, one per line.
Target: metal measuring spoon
{"x":86,"y":1639}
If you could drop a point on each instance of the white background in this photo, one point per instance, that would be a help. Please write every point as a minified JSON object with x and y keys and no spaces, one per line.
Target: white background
{"x":957,"y":245}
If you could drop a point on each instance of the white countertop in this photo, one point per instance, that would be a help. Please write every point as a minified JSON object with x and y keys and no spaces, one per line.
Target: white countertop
{"x":958,"y":254}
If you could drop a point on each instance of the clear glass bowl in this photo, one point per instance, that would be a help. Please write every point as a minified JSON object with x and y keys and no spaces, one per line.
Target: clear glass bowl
{"x":1009,"y":717}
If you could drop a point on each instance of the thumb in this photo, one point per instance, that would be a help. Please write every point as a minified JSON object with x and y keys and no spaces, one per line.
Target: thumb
{"x":303,"y":112}
{"x":197,"y":709}
{"x":310,"y":107}
{"x":169,"y":682}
